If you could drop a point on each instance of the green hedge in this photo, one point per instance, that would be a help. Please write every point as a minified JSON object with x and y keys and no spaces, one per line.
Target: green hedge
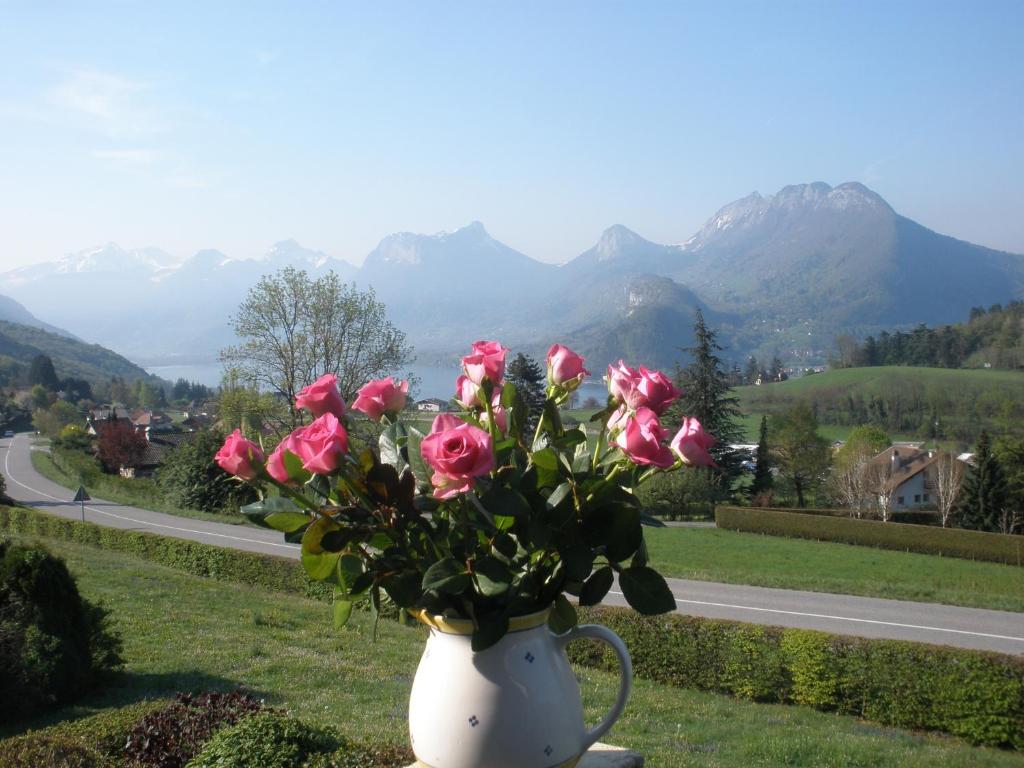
{"x":274,"y":573}
{"x":976,"y":696}
{"x":950,"y":542}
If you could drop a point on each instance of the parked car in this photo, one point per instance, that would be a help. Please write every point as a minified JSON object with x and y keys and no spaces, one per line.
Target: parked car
{"x":9,"y":433}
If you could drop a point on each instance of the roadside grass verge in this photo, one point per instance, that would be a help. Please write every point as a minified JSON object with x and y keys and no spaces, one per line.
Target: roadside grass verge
{"x":120,"y":490}
{"x":713,"y":554}
{"x":183,"y":632}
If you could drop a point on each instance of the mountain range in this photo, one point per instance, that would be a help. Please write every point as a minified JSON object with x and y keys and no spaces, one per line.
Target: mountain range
{"x":776,"y":274}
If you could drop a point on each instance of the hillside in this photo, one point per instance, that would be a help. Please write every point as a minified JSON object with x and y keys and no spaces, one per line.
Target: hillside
{"x":929,"y":403}
{"x":71,"y":357}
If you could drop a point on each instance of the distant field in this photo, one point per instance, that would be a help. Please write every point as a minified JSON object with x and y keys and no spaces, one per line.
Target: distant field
{"x":710,"y":554}
{"x":911,"y":399}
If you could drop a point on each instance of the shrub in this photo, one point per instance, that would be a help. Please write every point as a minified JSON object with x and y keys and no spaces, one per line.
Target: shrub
{"x":681,"y":495}
{"x":929,"y":540}
{"x":36,"y":750}
{"x":106,"y":732}
{"x":190,"y":478}
{"x":171,"y":736}
{"x":976,"y":696}
{"x":53,"y":643}
{"x":358,"y":756}
{"x":268,"y":740}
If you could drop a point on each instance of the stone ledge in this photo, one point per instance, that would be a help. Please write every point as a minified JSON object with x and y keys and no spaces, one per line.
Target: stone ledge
{"x":600,"y":756}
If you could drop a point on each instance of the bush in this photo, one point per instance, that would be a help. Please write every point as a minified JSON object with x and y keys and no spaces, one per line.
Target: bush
{"x":976,"y":696}
{"x":268,"y":740}
{"x":278,"y":574}
{"x":681,"y":495}
{"x":190,"y":478}
{"x":929,"y":540}
{"x":106,"y":732}
{"x":53,"y":643}
{"x":171,"y":736}
{"x":36,"y":750}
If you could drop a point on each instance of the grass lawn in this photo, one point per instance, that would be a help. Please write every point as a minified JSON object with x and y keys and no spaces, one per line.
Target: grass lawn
{"x":120,"y":491}
{"x":711,"y":554}
{"x":183,"y":632}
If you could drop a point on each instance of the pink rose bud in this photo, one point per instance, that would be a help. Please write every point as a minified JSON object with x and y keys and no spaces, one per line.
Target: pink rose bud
{"x":322,"y":445}
{"x":654,"y":390}
{"x":500,"y":418}
{"x":322,"y":397}
{"x":275,"y":464}
{"x":622,"y":381}
{"x":565,"y":367}
{"x":693,"y":444}
{"x":458,"y":453}
{"x":487,"y":360}
{"x":381,"y":396}
{"x":239,"y":456}
{"x":467,"y":394}
{"x":641,"y":440}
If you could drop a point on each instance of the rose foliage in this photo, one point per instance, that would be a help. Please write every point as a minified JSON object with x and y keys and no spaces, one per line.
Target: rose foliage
{"x":477,"y":519}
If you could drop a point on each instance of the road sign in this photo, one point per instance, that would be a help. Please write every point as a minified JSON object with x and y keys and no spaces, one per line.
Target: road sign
{"x":82,"y":496}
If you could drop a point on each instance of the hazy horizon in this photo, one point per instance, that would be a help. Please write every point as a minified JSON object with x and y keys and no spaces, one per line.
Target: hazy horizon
{"x":237,"y":126}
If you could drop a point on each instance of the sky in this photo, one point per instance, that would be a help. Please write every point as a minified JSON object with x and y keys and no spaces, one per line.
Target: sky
{"x":233,"y":125}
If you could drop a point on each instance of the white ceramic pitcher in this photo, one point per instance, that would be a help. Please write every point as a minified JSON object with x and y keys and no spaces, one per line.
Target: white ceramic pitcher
{"x":515,"y":705}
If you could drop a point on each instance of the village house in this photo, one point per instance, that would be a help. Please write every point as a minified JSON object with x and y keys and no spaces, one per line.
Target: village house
{"x":909,"y":476}
{"x":432,"y":405}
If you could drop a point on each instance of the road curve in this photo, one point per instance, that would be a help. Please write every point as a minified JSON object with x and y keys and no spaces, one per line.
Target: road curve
{"x":1000,"y":631}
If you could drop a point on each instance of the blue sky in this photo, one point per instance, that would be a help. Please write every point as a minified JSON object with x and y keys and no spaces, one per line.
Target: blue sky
{"x":234,"y":125}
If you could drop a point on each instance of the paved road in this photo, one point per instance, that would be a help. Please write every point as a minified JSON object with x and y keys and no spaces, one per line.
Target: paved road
{"x":843,"y":614}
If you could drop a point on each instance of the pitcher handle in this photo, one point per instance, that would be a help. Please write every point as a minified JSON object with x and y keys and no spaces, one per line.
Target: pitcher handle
{"x":597,"y":632}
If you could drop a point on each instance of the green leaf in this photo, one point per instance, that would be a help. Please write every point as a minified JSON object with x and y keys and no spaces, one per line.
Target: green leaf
{"x":320,"y":563}
{"x":492,"y":576}
{"x":597,"y":586}
{"x":571,"y":439}
{"x":404,"y":588}
{"x":500,"y":500}
{"x":416,"y":463}
{"x":646,"y":591}
{"x":563,"y":615}
{"x":558,"y":495}
{"x":293,"y":466}
{"x":447,"y":576}
{"x":546,"y":459}
{"x":260,"y":513}
{"x":391,"y":441}
{"x":651,"y":521}
{"x":342,"y":612}
{"x":578,"y":560}
{"x":488,"y":631}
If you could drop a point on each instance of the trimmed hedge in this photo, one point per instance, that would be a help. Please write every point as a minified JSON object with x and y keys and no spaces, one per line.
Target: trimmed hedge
{"x":928,"y":540}
{"x":974,"y":695}
{"x":266,"y":571}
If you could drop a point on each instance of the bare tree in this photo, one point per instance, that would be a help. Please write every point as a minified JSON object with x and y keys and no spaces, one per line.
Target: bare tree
{"x":849,"y":483}
{"x":293,"y":329}
{"x":949,"y":476}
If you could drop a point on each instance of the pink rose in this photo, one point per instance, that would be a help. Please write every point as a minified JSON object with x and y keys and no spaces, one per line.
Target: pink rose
{"x":565,"y":367}
{"x":458,"y":452}
{"x":641,"y":440}
{"x":275,"y":464}
{"x":693,"y":444}
{"x":486,"y":361}
{"x":381,"y":396}
{"x":322,"y":397}
{"x":641,"y":389}
{"x":618,"y":419}
{"x":654,"y":390}
{"x":239,"y":456}
{"x":322,"y":445}
{"x":467,"y":394}
{"x":622,"y":381}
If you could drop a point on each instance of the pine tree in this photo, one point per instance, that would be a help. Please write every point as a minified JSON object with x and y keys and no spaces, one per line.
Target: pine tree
{"x":42,"y":373}
{"x":708,"y":397}
{"x":763,"y":472}
{"x":985,"y":493}
{"x":529,"y":379}
{"x":752,"y":370}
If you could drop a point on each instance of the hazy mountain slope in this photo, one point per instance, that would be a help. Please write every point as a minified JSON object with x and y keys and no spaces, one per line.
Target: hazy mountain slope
{"x":71,"y":357}
{"x":13,"y":312}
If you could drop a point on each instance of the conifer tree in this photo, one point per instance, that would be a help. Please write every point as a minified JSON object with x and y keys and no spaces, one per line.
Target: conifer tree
{"x":42,"y":373}
{"x":985,"y":493}
{"x":529,"y":379}
{"x":763,"y":472}
{"x":708,"y":397}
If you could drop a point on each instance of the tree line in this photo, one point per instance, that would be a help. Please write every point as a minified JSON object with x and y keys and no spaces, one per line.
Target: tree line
{"x":992,"y":337}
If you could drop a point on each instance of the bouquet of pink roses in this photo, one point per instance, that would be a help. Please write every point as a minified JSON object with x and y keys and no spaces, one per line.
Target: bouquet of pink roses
{"x":477,"y":519}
